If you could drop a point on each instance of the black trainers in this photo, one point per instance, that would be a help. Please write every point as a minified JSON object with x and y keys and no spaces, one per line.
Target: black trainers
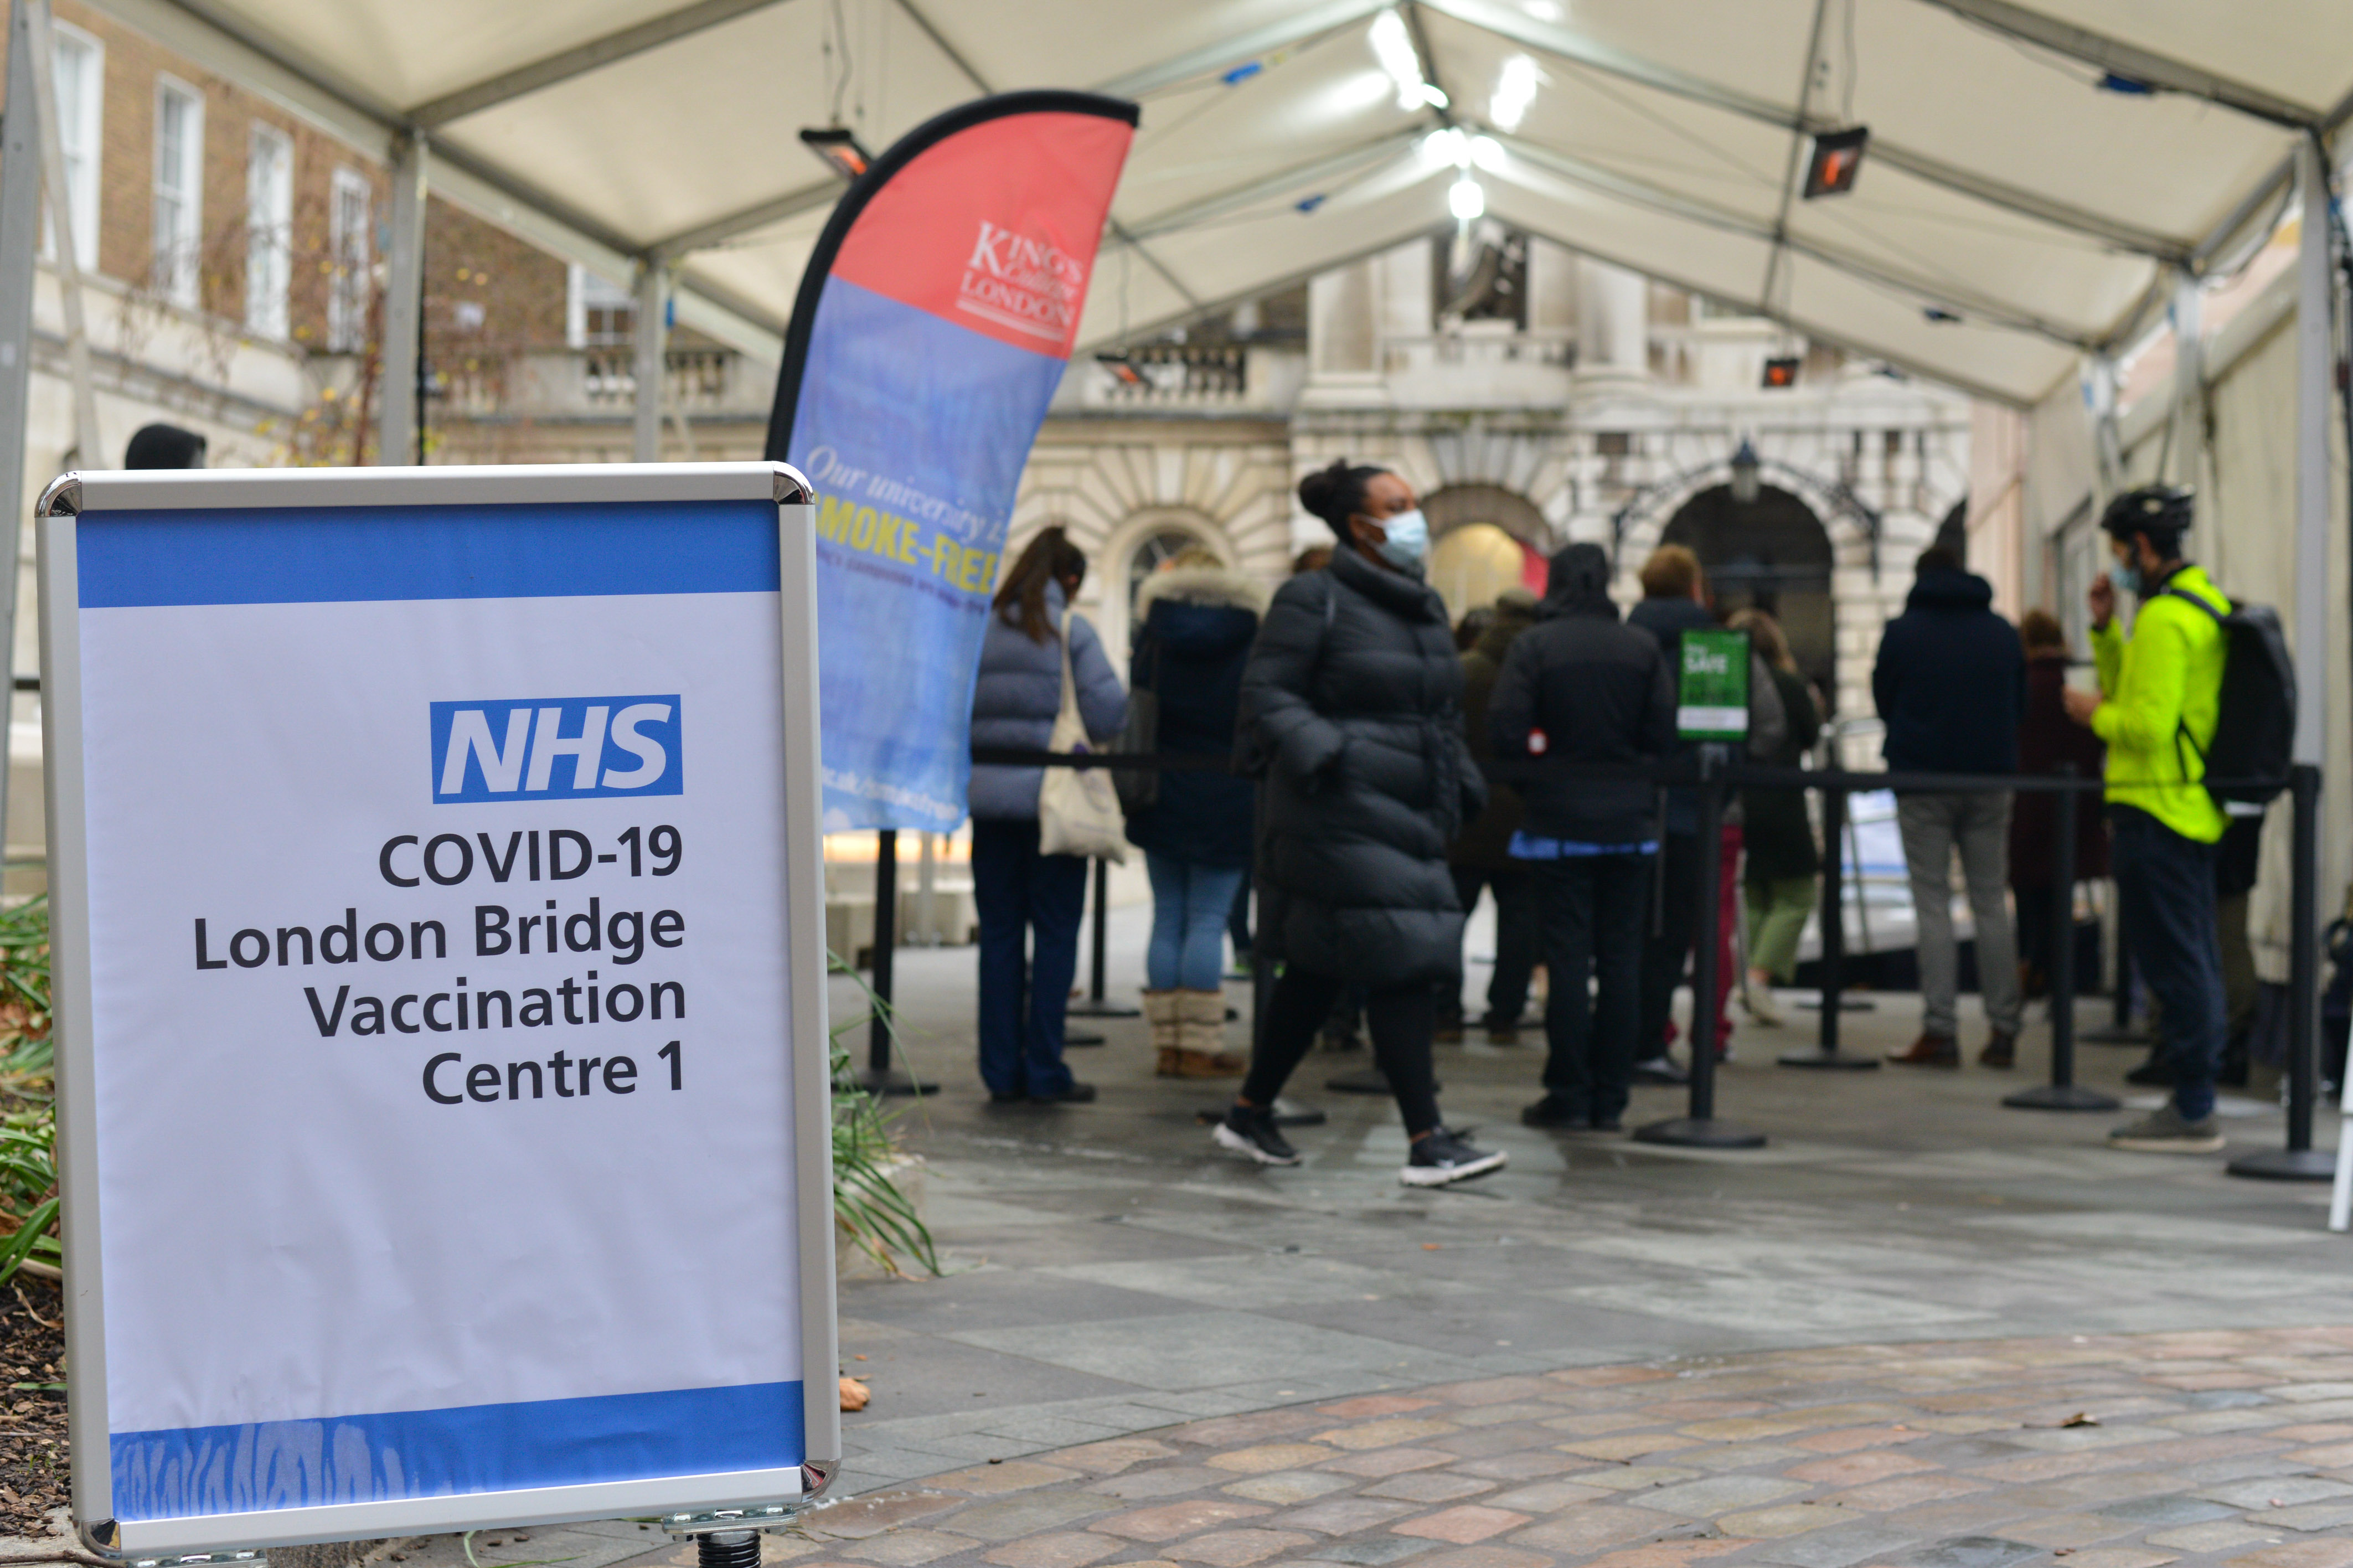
{"x":1442,"y":1158}
{"x":1249,"y":1131}
{"x":1553,"y":1112}
{"x":1076,"y":1094}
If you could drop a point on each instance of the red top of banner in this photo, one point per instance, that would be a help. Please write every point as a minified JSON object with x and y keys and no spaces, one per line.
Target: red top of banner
{"x":994,"y":227}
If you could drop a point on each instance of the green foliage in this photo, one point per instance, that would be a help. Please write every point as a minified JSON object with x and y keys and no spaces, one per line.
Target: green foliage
{"x":25,"y":1051}
{"x":28,"y":1123}
{"x":866,"y":1203}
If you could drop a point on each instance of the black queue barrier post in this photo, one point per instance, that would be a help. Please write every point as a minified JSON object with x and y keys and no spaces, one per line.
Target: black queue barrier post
{"x":879,"y":1078}
{"x":2062,"y":1092}
{"x":2300,"y":1161}
{"x":1827,"y":1057}
{"x":1700,"y":1129}
{"x":1094,"y":1007}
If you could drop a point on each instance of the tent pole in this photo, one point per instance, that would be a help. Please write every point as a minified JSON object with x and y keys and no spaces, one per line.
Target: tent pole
{"x":20,"y":246}
{"x":2314,"y":384}
{"x":89,"y":450}
{"x":649,"y":339}
{"x":403,"y":307}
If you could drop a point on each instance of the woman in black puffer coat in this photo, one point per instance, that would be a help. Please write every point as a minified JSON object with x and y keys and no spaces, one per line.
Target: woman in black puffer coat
{"x":1351,"y":714}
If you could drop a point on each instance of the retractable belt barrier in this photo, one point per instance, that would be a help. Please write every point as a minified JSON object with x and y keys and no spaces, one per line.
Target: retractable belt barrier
{"x":1712,"y":773}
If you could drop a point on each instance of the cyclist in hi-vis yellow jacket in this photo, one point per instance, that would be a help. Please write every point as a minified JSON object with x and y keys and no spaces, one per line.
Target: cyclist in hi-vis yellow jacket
{"x":2160,"y":699}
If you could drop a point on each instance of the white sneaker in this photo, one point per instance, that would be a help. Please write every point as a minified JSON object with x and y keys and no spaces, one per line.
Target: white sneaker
{"x":1762,"y":1005}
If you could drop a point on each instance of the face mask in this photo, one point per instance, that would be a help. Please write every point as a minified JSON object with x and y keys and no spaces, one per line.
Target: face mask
{"x":2127,"y":578}
{"x":1407,"y":542}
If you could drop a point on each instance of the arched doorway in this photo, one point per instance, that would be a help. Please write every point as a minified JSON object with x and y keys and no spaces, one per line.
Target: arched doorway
{"x":1773,"y":553}
{"x":1486,"y":539}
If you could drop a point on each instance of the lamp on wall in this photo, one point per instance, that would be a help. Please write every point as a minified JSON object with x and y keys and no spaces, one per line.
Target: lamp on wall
{"x":1744,"y":473}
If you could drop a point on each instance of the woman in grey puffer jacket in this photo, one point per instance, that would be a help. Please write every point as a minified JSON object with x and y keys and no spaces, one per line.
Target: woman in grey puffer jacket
{"x":1351,"y":712}
{"x":1016,"y":890}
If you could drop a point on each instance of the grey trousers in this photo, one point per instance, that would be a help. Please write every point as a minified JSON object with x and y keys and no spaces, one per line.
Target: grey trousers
{"x":1978,"y":825}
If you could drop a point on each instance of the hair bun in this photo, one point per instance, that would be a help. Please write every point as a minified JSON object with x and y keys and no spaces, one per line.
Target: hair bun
{"x":1324,"y":488}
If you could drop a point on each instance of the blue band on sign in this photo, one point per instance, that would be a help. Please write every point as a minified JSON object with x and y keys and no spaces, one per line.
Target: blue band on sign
{"x":306,"y":555}
{"x":474,"y":1449}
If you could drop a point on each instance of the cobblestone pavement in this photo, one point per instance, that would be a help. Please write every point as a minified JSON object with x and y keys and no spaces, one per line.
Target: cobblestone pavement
{"x":2107,"y":1451}
{"x":1112,"y":1274}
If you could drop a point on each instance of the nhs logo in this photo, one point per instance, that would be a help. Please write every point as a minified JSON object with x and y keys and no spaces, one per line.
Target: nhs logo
{"x":566,"y":748}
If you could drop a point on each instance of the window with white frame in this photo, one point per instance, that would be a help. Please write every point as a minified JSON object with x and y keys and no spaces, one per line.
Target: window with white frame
{"x":597,"y":314}
{"x":268,"y":230}
{"x":178,"y":225}
{"x":351,"y":241}
{"x":79,"y":64}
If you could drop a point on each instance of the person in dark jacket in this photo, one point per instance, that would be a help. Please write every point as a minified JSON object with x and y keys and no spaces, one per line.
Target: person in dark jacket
{"x":1674,"y":601}
{"x":1777,"y":838}
{"x":1580,"y":688}
{"x":1024,"y":898}
{"x":1352,"y":713}
{"x":1482,"y":857}
{"x":1951,"y":688}
{"x":2046,"y":739}
{"x":1197,"y":620}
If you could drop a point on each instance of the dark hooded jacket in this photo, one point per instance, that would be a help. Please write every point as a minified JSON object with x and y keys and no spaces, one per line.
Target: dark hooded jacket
{"x":1951,"y":679}
{"x":1196,"y":628}
{"x":1486,"y":842}
{"x":1598,"y":691}
{"x":1352,"y":713}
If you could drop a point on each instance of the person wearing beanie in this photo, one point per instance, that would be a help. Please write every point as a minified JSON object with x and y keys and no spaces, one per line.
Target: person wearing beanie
{"x":1581,"y":687}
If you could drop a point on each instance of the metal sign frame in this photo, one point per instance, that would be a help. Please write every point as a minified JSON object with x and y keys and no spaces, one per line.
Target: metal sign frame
{"x":686,"y":1504}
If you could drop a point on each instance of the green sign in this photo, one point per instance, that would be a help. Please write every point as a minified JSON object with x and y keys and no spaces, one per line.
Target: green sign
{"x":1711,"y":689}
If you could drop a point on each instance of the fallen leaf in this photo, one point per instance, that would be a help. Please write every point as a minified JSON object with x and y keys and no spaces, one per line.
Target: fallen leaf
{"x":1430,"y":1247}
{"x":2081,"y":1418}
{"x":854,"y":1394}
{"x":858,"y":1358}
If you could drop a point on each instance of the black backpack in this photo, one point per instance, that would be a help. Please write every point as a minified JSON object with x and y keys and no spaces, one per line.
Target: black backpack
{"x":2254,"y":736}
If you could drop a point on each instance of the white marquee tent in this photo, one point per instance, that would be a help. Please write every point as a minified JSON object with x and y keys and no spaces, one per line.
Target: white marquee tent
{"x":2041,"y":177}
{"x":2033,"y":168}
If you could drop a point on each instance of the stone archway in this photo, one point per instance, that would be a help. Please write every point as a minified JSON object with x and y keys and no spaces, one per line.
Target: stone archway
{"x":1484,"y":540}
{"x":1772,"y":554}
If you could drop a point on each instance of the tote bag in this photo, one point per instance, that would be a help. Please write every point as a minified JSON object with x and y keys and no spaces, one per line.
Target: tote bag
{"x":1078,"y":808}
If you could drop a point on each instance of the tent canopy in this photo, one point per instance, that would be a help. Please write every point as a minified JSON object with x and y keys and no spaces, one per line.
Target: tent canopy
{"x":2036,"y":171}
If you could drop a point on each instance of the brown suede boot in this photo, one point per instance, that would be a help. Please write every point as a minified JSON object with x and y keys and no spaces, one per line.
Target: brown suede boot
{"x":1929,"y":1051}
{"x":1160,"y":1012}
{"x":1202,"y":1037}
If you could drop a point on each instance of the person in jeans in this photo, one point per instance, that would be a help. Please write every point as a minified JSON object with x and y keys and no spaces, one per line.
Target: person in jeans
{"x":1674,"y":601}
{"x":1196,"y":620}
{"x":1951,"y":688}
{"x":1482,"y":857}
{"x":1782,"y":861}
{"x":1024,"y":898}
{"x":2046,"y":739}
{"x":1352,"y":713}
{"x":1580,"y":688}
{"x":2159,"y":699}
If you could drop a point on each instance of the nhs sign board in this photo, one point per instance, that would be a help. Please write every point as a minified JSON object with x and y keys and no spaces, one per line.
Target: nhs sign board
{"x":566,"y":748}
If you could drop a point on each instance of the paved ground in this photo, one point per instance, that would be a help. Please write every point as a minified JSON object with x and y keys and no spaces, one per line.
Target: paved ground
{"x":1116,"y":1276}
{"x":2106,"y":1451}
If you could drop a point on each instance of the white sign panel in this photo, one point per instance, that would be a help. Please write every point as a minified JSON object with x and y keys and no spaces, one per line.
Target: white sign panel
{"x":440,"y":961}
